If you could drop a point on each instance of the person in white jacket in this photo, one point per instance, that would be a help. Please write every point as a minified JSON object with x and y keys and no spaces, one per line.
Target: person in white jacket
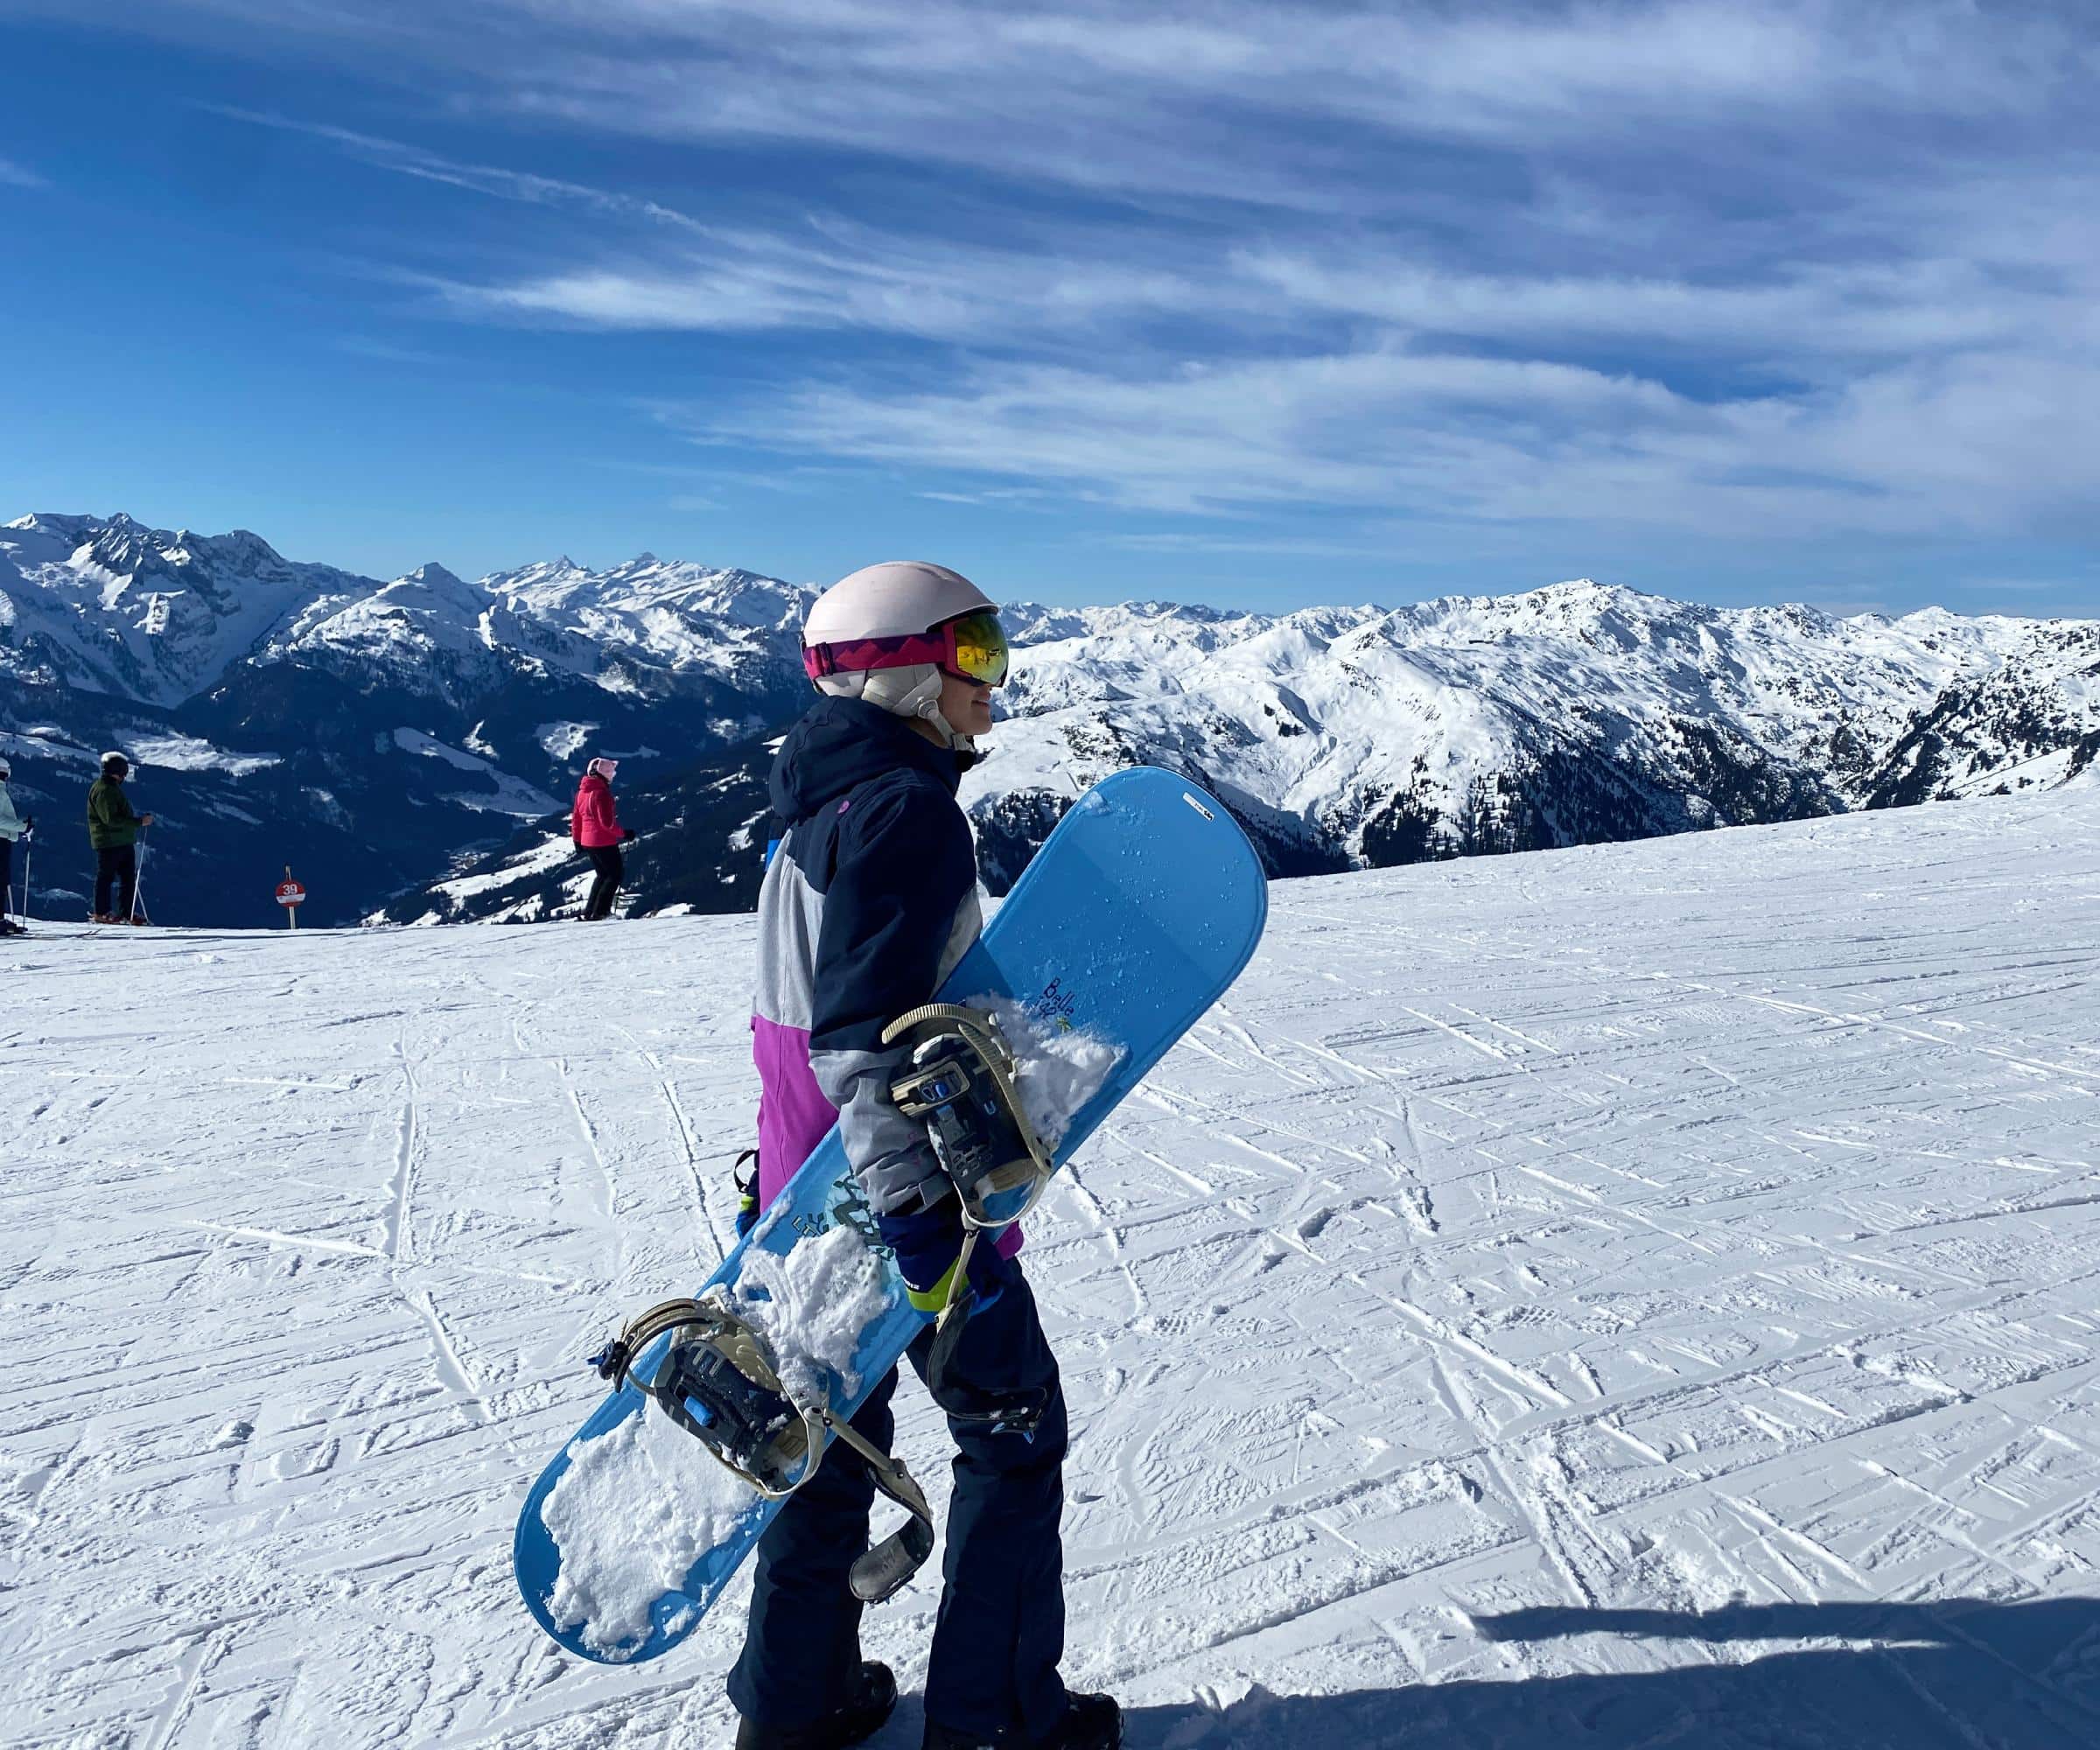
{"x":12,"y":826}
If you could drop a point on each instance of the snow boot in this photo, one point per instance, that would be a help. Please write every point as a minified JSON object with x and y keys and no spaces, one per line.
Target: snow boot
{"x":860,"y":1716}
{"x":1091,"y":1722}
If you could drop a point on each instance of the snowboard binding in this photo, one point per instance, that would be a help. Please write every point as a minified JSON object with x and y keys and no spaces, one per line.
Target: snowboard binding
{"x":718,"y":1381}
{"x":961,"y":1085}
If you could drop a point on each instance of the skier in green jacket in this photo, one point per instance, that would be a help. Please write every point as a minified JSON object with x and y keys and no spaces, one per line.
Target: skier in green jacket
{"x":113,"y":829}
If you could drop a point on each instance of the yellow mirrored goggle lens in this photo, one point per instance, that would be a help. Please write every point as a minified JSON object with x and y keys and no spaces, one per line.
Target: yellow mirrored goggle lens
{"x":980,"y":646}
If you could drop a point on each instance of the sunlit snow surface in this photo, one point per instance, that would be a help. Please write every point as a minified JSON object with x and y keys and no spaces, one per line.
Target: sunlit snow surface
{"x":1639,"y":1296}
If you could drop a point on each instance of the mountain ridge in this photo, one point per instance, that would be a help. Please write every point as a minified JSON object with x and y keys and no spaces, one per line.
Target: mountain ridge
{"x":421,"y":712}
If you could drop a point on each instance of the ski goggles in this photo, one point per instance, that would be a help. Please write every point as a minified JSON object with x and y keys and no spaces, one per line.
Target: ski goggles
{"x":971,"y":647}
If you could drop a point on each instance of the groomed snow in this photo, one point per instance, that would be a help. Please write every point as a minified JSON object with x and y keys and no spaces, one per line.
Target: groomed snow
{"x":1636,"y":1296}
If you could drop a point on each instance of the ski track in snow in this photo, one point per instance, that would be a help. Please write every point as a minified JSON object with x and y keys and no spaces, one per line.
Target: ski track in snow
{"x":1642,"y":1295}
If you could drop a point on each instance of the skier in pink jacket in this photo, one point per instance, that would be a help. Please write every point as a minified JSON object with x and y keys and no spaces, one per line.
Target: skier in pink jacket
{"x":594,"y":825}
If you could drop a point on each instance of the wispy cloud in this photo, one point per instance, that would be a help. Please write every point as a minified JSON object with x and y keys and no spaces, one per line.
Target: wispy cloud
{"x":13,"y":175}
{"x":1961,"y":447}
{"x":1116,"y":97}
{"x":505,"y":185}
{"x":1751,"y":266}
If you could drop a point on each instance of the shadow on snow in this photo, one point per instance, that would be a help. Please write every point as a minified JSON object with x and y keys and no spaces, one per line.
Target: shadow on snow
{"x":1964,"y":1673}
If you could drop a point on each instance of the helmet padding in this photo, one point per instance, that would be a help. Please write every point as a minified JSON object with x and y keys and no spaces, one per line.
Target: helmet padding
{"x":915,"y":691}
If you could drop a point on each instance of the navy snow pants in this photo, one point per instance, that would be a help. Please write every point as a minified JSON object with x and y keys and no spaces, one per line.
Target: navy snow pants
{"x":116,"y":872}
{"x":1001,"y":1628}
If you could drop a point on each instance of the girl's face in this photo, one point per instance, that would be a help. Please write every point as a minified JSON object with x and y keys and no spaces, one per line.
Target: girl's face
{"x":966,"y":704}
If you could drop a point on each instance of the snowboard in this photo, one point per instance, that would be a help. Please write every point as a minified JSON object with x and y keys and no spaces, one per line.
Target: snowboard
{"x":1140,"y":909}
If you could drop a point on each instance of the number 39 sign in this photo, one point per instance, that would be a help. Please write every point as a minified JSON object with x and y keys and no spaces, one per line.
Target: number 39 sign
{"x":291,"y":896}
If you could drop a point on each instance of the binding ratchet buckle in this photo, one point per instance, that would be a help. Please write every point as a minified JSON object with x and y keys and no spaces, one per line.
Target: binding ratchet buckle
{"x":718,"y":1381}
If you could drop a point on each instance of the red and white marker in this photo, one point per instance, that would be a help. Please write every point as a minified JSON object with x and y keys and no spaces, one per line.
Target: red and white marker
{"x":291,"y":896}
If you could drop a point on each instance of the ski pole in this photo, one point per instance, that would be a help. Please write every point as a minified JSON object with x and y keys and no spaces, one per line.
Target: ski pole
{"x":138,"y":873}
{"x":29,"y":843}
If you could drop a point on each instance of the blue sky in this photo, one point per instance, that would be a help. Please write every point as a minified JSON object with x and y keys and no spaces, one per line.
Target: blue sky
{"x":1258,"y":304}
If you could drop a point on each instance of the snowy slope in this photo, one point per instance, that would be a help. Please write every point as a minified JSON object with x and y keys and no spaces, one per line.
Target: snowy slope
{"x":1634,"y":1296}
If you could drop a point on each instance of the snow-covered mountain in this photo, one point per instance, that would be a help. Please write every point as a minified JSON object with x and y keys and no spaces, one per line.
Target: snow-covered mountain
{"x":146,"y":614}
{"x":167,"y":618}
{"x":430,"y":724}
{"x":1570,"y":714}
{"x":373,"y":735}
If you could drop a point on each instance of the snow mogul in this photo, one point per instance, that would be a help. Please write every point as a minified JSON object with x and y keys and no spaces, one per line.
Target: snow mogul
{"x":868,"y":904}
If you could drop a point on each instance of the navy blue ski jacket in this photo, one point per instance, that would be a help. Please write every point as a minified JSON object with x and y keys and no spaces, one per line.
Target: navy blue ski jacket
{"x":867,"y":905}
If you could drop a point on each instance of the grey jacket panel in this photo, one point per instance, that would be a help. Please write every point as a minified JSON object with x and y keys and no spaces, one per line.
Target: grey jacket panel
{"x":790,"y":913}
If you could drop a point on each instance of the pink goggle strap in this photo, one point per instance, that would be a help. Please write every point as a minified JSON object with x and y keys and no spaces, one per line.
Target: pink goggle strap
{"x":852,"y":655}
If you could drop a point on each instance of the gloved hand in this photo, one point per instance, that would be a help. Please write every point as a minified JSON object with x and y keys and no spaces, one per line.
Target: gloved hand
{"x":628,"y":835}
{"x":928,"y":1243}
{"x":748,"y":1191}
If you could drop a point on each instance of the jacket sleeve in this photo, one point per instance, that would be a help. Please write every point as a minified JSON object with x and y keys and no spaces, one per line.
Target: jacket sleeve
{"x":906,"y":870}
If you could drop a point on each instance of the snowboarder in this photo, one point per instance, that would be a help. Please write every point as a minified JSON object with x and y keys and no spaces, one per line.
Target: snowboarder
{"x":868,"y":904}
{"x":113,"y":829}
{"x":594,"y":825}
{"x":12,"y":826}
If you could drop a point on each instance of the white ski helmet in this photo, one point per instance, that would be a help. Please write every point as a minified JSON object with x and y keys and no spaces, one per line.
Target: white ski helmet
{"x":871,"y":635}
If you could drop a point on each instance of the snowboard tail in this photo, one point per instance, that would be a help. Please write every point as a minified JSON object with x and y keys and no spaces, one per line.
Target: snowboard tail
{"x":1136,"y":915}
